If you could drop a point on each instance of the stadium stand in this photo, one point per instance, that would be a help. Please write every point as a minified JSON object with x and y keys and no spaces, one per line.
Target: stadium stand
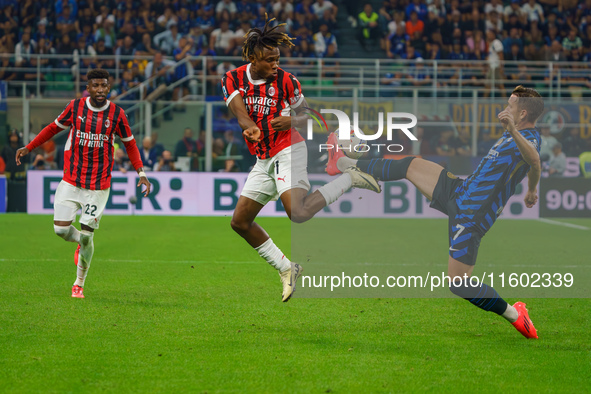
{"x":433,"y":45}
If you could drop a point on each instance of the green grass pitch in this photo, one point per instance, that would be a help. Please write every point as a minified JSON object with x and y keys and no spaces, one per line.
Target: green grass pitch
{"x":183,"y":304}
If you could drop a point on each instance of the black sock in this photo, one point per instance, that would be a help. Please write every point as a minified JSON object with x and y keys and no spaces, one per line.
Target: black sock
{"x":385,"y":170}
{"x":482,"y":296}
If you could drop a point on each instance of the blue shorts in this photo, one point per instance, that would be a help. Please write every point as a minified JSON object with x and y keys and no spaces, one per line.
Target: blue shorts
{"x":464,"y":236}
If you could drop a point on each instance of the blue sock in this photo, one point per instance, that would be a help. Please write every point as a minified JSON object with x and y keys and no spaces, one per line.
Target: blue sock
{"x":385,"y":170}
{"x":483,"y":296}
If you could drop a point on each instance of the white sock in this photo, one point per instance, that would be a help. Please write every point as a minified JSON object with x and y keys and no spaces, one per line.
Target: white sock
{"x":68,"y":233}
{"x":334,"y":189}
{"x":345,"y":162}
{"x":85,"y":257}
{"x":273,"y":255}
{"x":80,"y":275}
{"x":511,"y":314}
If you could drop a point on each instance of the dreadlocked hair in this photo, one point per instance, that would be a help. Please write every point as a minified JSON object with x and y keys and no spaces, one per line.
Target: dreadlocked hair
{"x":268,"y":37}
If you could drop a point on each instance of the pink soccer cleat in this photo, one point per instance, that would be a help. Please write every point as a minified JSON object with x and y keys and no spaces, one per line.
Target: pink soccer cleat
{"x":77,"y":291}
{"x":523,"y":323}
{"x":77,"y":255}
{"x":333,"y":155}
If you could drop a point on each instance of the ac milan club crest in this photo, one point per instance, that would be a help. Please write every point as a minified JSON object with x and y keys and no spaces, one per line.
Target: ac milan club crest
{"x":107,"y":123}
{"x":271,"y":91}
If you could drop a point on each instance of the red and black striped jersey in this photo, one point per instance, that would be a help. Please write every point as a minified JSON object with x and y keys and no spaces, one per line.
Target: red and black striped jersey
{"x":88,"y":154}
{"x":264,"y":101}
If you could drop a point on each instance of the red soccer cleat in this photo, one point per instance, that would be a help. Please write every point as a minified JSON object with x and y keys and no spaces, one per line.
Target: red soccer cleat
{"x":77,"y":255}
{"x":523,"y":323}
{"x":77,"y":291}
{"x":333,"y":155}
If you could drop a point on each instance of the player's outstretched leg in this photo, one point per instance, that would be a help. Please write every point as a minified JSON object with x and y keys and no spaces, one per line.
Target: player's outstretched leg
{"x":386,"y":169}
{"x":382,"y":169}
{"x":333,"y":190}
{"x":83,"y":257}
{"x":339,"y":163}
{"x":486,"y":298}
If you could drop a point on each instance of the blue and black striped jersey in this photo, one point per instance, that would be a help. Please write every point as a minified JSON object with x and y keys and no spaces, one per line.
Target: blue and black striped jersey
{"x":483,"y":194}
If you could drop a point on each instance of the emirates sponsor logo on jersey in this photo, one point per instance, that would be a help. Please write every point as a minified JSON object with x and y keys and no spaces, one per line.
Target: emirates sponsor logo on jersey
{"x":259,"y":105}
{"x":269,"y":102}
{"x":91,"y":140}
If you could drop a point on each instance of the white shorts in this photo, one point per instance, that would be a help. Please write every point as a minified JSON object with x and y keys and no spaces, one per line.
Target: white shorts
{"x":271,"y":177}
{"x":69,"y":198}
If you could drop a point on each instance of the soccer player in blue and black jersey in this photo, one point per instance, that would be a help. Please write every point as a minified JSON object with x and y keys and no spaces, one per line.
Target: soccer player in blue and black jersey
{"x":473,"y":204}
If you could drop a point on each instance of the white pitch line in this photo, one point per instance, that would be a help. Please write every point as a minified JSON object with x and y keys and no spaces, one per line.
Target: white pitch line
{"x":138,"y":261}
{"x":557,"y":223}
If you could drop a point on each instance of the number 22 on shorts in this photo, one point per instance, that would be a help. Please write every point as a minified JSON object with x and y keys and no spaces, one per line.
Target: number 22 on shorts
{"x":90,"y":209}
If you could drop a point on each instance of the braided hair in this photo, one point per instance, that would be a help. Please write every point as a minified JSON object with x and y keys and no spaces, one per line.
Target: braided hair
{"x":268,"y":37}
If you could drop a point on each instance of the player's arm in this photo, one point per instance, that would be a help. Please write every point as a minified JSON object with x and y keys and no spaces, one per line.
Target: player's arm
{"x":132,"y":150}
{"x":533,"y":177}
{"x":528,"y":151}
{"x":45,"y":135}
{"x":250,"y":130}
{"x":530,"y":156}
{"x":297,"y":103}
{"x":62,"y":122}
{"x":301,"y":114}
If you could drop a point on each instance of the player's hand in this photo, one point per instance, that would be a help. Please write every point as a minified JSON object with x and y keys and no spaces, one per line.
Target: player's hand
{"x":531,"y":198}
{"x":21,"y":153}
{"x":144,"y":181}
{"x":281,"y":123}
{"x":252,"y":134}
{"x":507,"y":120}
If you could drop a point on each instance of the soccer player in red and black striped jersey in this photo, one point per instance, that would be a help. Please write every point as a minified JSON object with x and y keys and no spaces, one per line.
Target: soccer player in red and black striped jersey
{"x":262,"y":96}
{"x":88,"y":160}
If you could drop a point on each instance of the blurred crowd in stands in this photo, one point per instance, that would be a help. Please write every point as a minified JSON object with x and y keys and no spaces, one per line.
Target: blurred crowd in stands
{"x":491,"y":31}
{"x":435,"y":29}
{"x":149,"y":36}
{"x":156,"y":32}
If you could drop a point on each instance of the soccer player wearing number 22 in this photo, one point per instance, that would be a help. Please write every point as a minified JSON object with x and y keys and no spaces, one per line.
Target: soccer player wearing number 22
{"x":474,"y":204}
{"x":262,"y":96}
{"x":88,"y":160}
